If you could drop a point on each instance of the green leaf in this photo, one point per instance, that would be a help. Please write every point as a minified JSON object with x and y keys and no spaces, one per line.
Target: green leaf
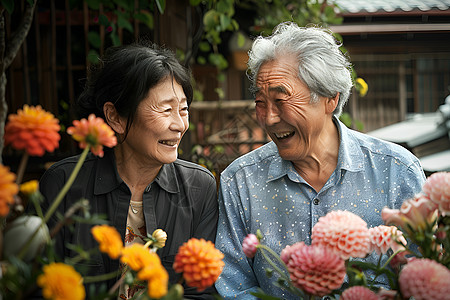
{"x":94,"y":4}
{"x":224,"y":7}
{"x":161,"y":5}
{"x":240,"y":40}
{"x":225,"y":21}
{"x":145,"y":18}
{"x":9,"y":5}
{"x":204,"y":46}
{"x":94,"y":39}
{"x":210,"y":19}
{"x":122,"y":22}
{"x":103,"y":20}
{"x":201,"y":60}
{"x":127,"y":5}
{"x":93,"y":56}
{"x":195,"y":2}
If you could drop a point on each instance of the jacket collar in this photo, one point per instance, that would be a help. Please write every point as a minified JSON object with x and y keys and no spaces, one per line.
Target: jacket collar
{"x":107,"y":178}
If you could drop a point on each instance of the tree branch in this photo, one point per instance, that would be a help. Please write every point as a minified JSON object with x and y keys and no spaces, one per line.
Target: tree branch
{"x":19,"y":35}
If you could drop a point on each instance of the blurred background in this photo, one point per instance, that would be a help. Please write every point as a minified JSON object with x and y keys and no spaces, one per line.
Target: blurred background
{"x":399,"y":48}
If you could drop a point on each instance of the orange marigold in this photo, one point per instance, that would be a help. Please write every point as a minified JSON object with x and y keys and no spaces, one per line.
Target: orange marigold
{"x":200,"y":262}
{"x":93,"y":132}
{"x":137,"y":257}
{"x":109,"y":240}
{"x":32,"y":129}
{"x":8,"y":188}
{"x":157,"y":279}
{"x":61,"y":282}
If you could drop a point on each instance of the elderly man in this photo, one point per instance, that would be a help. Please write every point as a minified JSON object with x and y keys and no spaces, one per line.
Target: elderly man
{"x":313,"y":165}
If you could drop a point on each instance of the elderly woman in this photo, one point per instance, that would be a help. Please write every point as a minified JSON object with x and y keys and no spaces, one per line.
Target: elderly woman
{"x":143,"y":94}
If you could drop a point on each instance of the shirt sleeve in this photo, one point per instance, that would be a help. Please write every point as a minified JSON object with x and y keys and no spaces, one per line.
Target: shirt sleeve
{"x":237,"y":280}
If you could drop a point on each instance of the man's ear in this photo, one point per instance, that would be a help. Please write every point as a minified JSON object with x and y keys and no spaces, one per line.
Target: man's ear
{"x":113,"y":119}
{"x":332,"y":104}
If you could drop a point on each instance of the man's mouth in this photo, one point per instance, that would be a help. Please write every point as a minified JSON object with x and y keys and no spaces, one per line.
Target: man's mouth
{"x":284,"y":135}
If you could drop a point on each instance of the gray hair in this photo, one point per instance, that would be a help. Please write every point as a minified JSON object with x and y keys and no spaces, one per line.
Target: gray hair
{"x":322,"y":65}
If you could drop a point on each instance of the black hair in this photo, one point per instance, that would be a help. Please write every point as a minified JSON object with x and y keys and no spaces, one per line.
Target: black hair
{"x":125,"y":76}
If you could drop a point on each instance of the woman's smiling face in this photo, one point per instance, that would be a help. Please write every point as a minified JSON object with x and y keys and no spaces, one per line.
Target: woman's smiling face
{"x":161,"y":120}
{"x":284,"y":110}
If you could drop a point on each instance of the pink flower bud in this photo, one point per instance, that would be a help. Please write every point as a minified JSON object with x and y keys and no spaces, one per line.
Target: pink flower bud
{"x":249,"y":245}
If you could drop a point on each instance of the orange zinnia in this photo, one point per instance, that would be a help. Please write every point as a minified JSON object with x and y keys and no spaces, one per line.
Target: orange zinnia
{"x":8,"y":188}
{"x":200,"y":262}
{"x":33,"y":130}
{"x":93,"y":132}
{"x":157,"y":278}
{"x":137,"y":257}
{"x":109,"y":240}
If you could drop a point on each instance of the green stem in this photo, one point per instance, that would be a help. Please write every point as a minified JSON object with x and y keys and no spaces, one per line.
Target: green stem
{"x":67,"y":185}
{"x":22,"y":167}
{"x":102,"y":277}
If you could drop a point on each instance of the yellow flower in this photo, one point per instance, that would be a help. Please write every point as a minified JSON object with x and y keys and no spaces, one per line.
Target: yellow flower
{"x":33,"y":130}
{"x":157,"y":279}
{"x":109,"y":240}
{"x":200,"y":262}
{"x":160,"y":236}
{"x":93,"y":132}
{"x":30,"y":187}
{"x":362,"y":86}
{"x":137,"y":257}
{"x":60,"y":282}
{"x":8,"y":188}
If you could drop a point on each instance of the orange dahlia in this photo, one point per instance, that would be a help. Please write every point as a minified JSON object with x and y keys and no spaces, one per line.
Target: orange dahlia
{"x":109,"y":240}
{"x":93,"y":132}
{"x":8,"y":188}
{"x":200,"y":262}
{"x":344,"y":232}
{"x":33,"y":130}
{"x":61,"y":282}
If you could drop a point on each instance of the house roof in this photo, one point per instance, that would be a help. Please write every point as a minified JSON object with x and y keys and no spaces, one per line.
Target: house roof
{"x":390,"y":6}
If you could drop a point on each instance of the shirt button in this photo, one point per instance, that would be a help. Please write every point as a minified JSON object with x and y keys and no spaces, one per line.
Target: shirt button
{"x":316,"y":201}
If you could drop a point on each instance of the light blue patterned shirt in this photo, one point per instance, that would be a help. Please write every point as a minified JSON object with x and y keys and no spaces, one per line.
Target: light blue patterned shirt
{"x":262,"y":191}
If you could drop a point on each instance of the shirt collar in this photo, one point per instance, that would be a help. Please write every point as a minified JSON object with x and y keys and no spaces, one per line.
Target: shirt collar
{"x":350,"y":156}
{"x":107,"y":178}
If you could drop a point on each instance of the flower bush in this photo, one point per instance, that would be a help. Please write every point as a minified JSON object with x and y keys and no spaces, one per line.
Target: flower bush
{"x":27,"y":261}
{"x":414,"y":243}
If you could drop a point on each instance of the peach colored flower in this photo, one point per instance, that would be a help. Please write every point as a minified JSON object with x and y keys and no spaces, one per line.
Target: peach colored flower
{"x":157,"y":279}
{"x":61,"y":282}
{"x":383,"y":238}
{"x":344,"y":232}
{"x":160,"y":237}
{"x":33,"y":130}
{"x":437,"y":187}
{"x":249,"y":245}
{"x":286,"y":252}
{"x":414,"y":214}
{"x":93,"y":132}
{"x":109,"y":240}
{"x":8,"y":189}
{"x":200,"y":262}
{"x":358,"y":293}
{"x":316,"y":270}
{"x":425,"y":279}
{"x":138,"y":257}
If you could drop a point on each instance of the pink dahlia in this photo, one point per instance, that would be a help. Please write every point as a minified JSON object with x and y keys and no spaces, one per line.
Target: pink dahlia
{"x":316,"y":270}
{"x":358,"y":293}
{"x":384,"y":237}
{"x":437,"y":187}
{"x":286,"y":252}
{"x":249,"y":245}
{"x":344,"y":232}
{"x":425,"y":279}
{"x":416,"y":212}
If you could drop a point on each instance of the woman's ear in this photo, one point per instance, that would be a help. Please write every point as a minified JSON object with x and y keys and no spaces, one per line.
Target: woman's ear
{"x":332,"y":104}
{"x":113,"y":119}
